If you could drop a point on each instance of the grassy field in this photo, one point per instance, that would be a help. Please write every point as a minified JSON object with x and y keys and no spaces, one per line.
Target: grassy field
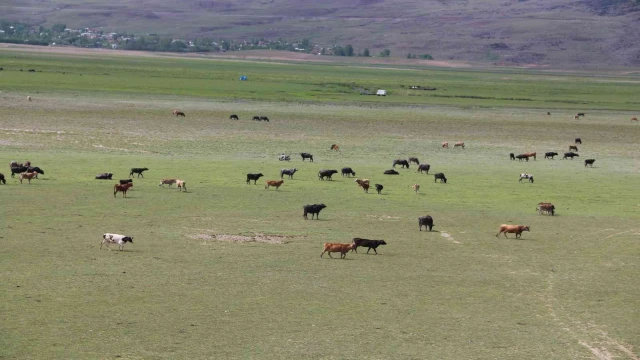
{"x":192,"y":286}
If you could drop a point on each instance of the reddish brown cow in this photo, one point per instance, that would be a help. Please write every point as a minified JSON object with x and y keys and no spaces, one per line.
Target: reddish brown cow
{"x":274,"y":183}
{"x":517,"y":229}
{"x":343,"y":249}
{"x":121,"y":187}
{"x":530,"y":154}
{"x":634,"y":119}
{"x":335,"y":147}
{"x":459,"y":144}
{"x":573,"y":147}
{"x":445,"y":145}
{"x":28,"y":176}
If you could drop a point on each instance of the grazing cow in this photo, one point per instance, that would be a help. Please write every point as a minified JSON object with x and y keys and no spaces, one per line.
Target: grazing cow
{"x":578,"y":141}
{"x":29,"y":98}
{"x":379,"y":188}
{"x":138,"y":171}
{"x":167,"y":181}
{"x":126,"y":181}
{"x":580,"y":114}
{"x":364,"y":184}
{"x":343,"y":249}
{"x":403,"y":163}
{"x":253,"y":177}
{"x":530,"y":154}
{"x":569,"y":155}
{"x":526,"y":176}
{"x":256,"y":118}
{"x":104,"y":176}
{"x":28,"y":176}
{"x":233,"y":117}
{"x":522,"y":157}
{"x":348,"y":172}
{"x":573,"y":147}
{"x":459,"y":144}
{"x":445,"y":145}
{"x":414,"y":160}
{"x":517,"y":229}
{"x":426,"y":221}
{"x":182,"y":185}
{"x":2,"y":179}
{"x":576,"y":117}
{"x":424,"y":168}
{"x":22,"y":168}
{"x":121,"y":187}
{"x":312,"y":209}
{"x":512,"y":156}
{"x":548,"y":208}
{"x":548,"y":113}
{"x":370,"y":244}
{"x":441,"y":177}
{"x":264,"y":118}
{"x":121,"y":240}
{"x":589,"y":162}
{"x":550,"y":155}
{"x":178,"y":113}
{"x":634,"y":119}
{"x":326,"y":173}
{"x":274,"y":183}
{"x":391,"y":172}
{"x":307,"y":156}
{"x":289,"y":172}
{"x":284,"y":157}
{"x":335,"y":147}
{"x":415,"y":187}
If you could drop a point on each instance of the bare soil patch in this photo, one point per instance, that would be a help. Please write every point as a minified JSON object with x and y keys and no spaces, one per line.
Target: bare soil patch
{"x":235,"y":238}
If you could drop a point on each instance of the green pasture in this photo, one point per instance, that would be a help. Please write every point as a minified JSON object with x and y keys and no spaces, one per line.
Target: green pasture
{"x":567,"y":290}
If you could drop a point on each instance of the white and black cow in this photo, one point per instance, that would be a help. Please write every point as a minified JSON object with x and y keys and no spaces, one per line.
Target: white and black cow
{"x":121,"y":240}
{"x":526,"y":177}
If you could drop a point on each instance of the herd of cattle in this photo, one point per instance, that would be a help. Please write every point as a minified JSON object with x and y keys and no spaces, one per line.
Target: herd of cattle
{"x":551,"y":154}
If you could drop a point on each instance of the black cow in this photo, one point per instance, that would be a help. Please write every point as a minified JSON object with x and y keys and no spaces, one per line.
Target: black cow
{"x":306,"y":156}
{"x":424,"y":167}
{"x":521,"y":157}
{"x":253,"y":176}
{"x":313,"y":209}
{"x":550,"y":154}
{"x":104,"y":176}
{"x":256,"y":118}
{"x":347,"y":171}
{"x":326,"y":173}
{"x":578,"y":141}
{"x":264,"y":118}
{"x":2,"y":179}
{"x":426,"y":221}
{"x":581,"y":114}
{"x":379,"y":188}
{"x":570,"y":154}
{"x":440,"y":176}
{"x":414,"y":160}
{"x":402,"y":162}
{"x":125,"y":181}
{"x":138,"y":171}
{"x":370,"y":244}
{"x":289,"y":172}
{"x":512,"y":156}
{"x":391,"y":172}
{"x":589,"y":162}
{"x":21,"y":169}
{"x":233,"y":117}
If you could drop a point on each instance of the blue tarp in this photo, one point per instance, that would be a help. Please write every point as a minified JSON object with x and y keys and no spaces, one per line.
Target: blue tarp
{"x":243,"y":77}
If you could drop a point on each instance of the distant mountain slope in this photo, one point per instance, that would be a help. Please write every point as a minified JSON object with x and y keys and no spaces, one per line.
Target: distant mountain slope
{"x":545,"y":32}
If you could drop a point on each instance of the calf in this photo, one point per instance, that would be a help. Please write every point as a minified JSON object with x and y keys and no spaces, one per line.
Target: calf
{"x":326,"y":173}
{"x":517,"y":229}
{"x":589,"y":162}
{"x":313,"y":209}
{"x":441,"y":177}
{"x":370,"y":244}
{"x":122,"y":188}
{"x":548,"y":208}
{"x":126,"y":181}
{"x":182,"y":185}
{"x":274,"y":183}
{"x":307,"y":156}
{"x":415,"y":187}
{"x":288,"y":172}
{"x":573,"y":147}
{"x":28,"y":176}
{"x":569,"y":155}
{"x":414,"y":160}
{"x":426,"y":221}
{"x":2,"y":179}
{"x":138,"y":171}
{"x":253,"y":177}
{"x":167,"y":181}
{"x":526,"y":176}
{"x":121,"y":240}
{"x":391,"y":172}
{"x":550,"y":155}
{"x":424,"y":168}
{"x":578,"y":141}
{"x":104,"y":176}
{"x":343,"y":249}
{"x":403,"y":163}
{"x":379,"y":188}
{"x":512,"y":156}
{"x":347,"y":171}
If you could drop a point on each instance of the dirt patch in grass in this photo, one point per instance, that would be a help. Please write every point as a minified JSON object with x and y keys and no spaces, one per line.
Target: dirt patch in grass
{"x":257,"y":238}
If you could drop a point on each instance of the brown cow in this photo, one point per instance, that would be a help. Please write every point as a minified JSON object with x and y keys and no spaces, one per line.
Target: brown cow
{"x":530,"y":154}
{"x":364,"y":184}
{"x":28,"y":176}
{"x":445,"y":145}
{"x":634,"y":119}
{"x":121,"y":187}
{"x":167,"y":182}
{"x":459,"y":144}
{"x":545,"y":207}
{"x":274,"y":183}
{"x":343,"y":249}
{"x":178,"y":113}
{"x":517,"y":229}
{"x":415,"y":187}
{"x":576,"y":117}
{"x":335,"y":147}
{"x":573,"y":147}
